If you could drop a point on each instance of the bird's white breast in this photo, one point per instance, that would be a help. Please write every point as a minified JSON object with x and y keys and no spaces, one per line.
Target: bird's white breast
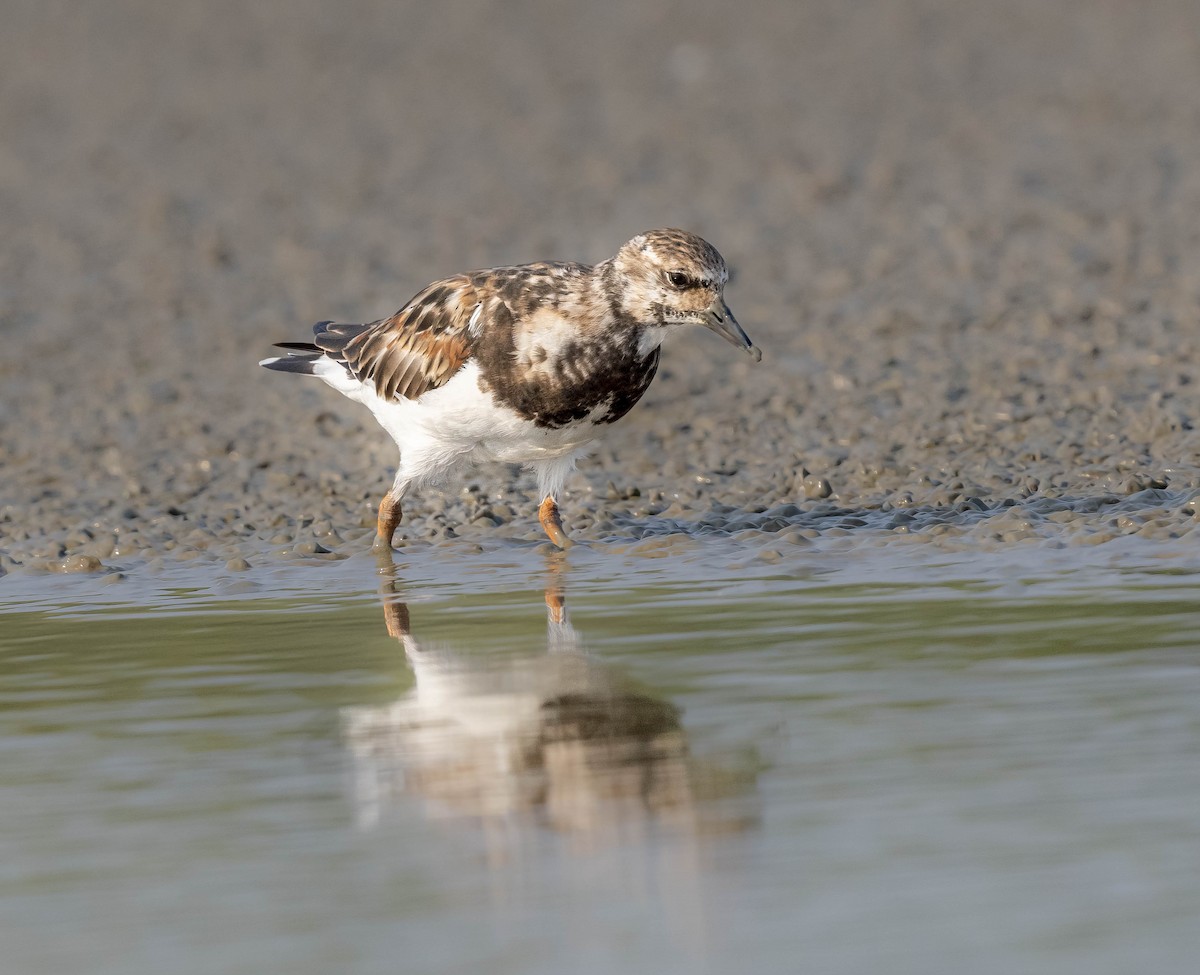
{"x":463,"y":419}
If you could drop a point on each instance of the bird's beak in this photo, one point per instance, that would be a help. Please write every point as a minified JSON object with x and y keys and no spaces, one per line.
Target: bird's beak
{"x":719,"y":318}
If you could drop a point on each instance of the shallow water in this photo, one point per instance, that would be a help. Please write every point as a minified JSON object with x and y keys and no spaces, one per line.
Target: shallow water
{"x":697,"y":765}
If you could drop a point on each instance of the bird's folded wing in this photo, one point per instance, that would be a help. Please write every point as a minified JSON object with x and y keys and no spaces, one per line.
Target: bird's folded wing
{"x":417,"y":349}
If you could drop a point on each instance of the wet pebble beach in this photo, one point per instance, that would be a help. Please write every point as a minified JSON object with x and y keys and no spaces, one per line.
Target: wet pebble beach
{"x":964,"y":237}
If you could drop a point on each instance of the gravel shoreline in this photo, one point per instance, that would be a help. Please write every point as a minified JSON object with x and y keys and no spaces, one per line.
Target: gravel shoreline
{"x":964,"y":237}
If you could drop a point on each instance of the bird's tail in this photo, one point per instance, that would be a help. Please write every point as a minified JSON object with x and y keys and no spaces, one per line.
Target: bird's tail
{"x":331,"y":343}
{"x":300,"y":360}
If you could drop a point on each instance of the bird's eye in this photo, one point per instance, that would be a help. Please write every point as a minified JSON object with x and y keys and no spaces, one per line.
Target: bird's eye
{"x":680,"y":280}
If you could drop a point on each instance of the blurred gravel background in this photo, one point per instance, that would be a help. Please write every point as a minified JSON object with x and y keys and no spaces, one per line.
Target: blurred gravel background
{"x":964,"y":233}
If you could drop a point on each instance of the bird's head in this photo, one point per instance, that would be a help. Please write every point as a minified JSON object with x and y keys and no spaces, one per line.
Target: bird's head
{"x":671,"y":278}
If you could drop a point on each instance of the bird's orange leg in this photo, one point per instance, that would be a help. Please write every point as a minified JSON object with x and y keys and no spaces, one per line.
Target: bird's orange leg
{"x":552,"y":523}
{"x":390,"y":514}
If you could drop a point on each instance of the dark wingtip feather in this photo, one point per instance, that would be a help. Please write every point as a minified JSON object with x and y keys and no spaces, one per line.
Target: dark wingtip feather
{"x":302,"y":364}
{"x":298,"y":346}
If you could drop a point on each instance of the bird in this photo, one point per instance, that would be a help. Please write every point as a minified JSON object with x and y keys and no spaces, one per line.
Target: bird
{"x":523,"y":364}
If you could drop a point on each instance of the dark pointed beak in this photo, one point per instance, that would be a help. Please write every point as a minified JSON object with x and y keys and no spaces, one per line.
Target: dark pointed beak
{"x":720,"y":319}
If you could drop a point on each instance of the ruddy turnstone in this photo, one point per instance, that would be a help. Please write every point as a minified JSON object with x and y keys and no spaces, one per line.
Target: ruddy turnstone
{"x":519,"y":364}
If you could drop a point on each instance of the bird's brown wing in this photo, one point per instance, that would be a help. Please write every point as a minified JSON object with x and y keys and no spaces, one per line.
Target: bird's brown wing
{"x":418,"y":349}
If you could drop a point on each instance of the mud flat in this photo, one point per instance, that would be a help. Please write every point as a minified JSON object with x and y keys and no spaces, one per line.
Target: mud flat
{"x":964,"y":237}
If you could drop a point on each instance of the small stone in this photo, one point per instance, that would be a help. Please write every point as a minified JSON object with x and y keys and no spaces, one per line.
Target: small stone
{"x":816,"y":487}
{"x":310,"y":548}
{"x":78,"y":563}
{"x":794,"y":536}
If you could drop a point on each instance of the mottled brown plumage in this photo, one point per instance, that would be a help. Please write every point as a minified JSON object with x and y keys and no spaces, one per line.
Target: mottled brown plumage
{"x":418,"y":349}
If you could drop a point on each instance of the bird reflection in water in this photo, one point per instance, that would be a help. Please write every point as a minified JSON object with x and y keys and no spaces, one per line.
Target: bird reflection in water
{"x":553,"y":740}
